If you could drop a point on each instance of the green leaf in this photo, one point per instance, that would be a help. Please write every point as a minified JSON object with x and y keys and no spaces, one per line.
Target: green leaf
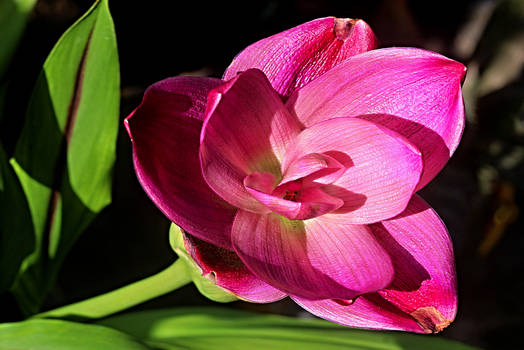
{"x":16,"y":230}
{"x":64,"y":335}
{"x":13,"y":17}
{"x":204,"y":285}
{"x":65,"y":155}
{"x":219,"y":328}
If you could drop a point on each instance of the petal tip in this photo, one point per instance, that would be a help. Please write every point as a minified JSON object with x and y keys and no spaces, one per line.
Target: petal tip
{"x":463,"y":74}
{"x":128,"y":127}
{"x":430,"y":319}
{"x":343,"y":27}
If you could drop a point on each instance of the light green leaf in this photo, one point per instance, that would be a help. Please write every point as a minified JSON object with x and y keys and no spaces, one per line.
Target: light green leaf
{"x":16,"y":230}
{"x":219,"y":328}
{"x":65,"y":155}
{"x":204,"y":285}
{"x":13,"y":17}
{"x":63,"y":335}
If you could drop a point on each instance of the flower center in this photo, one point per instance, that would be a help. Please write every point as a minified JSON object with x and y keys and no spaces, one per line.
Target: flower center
{"x":291,"y":195}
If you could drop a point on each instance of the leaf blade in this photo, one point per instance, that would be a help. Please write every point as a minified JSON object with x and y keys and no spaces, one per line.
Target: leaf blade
{"x":16,"y":231}
{"x":62,"y":335}
{"x":66,"y":151}
{"x":219,"y":328}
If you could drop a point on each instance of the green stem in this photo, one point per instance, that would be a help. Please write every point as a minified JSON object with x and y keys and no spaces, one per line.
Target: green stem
{"x":167,"y":280}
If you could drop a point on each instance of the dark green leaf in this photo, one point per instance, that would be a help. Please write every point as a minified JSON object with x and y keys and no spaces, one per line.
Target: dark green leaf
{"x":65,"y":155}
{"x":13,"y":17}
{"x":63,"y":335}
{"x":217,"y":328}
{"x":16,"y":231}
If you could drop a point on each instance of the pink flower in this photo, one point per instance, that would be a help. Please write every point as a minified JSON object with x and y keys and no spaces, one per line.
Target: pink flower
{"x":296,"y":174}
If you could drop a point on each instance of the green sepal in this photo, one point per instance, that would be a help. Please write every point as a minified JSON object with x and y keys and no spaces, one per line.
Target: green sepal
{"x":205,"y":285}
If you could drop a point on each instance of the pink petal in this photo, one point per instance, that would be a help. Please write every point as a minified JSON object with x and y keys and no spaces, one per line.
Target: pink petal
{"x":425,"y":284}
{"x":423,"y":297}
{"x":165,"y":132}
{"x":319,"y":168}
{"x":227,"y":271}
{"x":247,"y":129}
{"x":309,"y":258}
{"x":369,"y":311}
{"x":383,"y":168}
{"x":295,"y":57}
{"x":420,"y":90}
{"x":310,"y":202}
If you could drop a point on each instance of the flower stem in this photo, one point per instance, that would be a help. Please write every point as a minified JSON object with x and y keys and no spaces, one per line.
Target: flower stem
{"x":167,"y":280}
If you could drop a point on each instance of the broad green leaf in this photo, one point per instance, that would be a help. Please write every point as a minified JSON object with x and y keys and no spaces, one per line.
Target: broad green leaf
{"x":205,"y":286}
{"x":219,"y":328}
{"x":13,"y":17}
{"x":66,"y":151}
{"x":16,"y":230}
{"x":64,"y":335}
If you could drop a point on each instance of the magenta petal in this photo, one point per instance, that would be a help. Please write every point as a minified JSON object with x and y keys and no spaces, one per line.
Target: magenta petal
{"x":295,"y":57}
{"x":165,"y":131}
{"x":425,"y":284}
{"x":419,"y":90}
{"x":369,"y":311}
{"x":227,"y":271}
{"x":247,"y":129}
{"x":320,"y":168}
{"x":422,"y":297}
{"x":309,"y":258}
{"x":382,"y":167}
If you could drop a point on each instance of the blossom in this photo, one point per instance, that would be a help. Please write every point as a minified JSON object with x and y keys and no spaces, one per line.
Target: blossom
{"x":295,"y":175}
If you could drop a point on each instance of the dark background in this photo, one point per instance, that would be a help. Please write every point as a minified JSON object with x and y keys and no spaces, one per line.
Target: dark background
{"x":478,"y":195}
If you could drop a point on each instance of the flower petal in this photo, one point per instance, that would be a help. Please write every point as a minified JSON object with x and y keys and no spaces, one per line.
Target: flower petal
{"x":370,"y":311}
{"x":309,"y":258}
{"x":227,"y":271}
{"x":383,"y":168}
{"x":422,"y":297}
{"x":169,"y":120}
{"x":246,"y":129}
{"x":425,"y":284}
{"x":295,"y":57}
{"x":421,"y":89}
{"x":315,"y":167}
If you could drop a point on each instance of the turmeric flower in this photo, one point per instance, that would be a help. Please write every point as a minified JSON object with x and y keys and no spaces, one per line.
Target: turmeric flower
{"x":295,"y":175}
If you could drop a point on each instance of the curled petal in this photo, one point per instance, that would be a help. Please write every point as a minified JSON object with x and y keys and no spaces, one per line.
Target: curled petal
{"x":247,"y":129}
{"x":165,"y":131}
{"x":320,"y":168}
{"x":425,"y":284}
{"x":309,"y":258}
{"x":226,"y":270}
{"x":382,"y":167}
{"x":295,"y":57}
{"x":419,"y":90}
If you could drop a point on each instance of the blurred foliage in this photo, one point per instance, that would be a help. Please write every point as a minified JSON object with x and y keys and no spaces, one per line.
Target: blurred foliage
{"x":219,"y":328}
{"x":207,"y":328}
{"x":13,"y":18}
